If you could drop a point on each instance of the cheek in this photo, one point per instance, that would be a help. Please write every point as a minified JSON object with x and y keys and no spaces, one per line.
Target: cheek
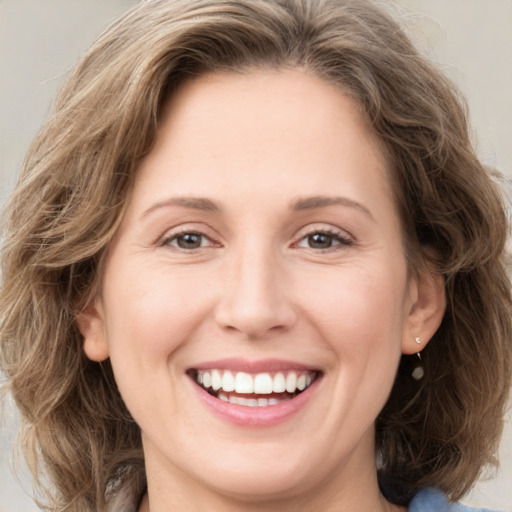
{"x":151,"y":311}
{"x":359,"y":309}
{"x":149,"y":319}
{"x":361,"y":316}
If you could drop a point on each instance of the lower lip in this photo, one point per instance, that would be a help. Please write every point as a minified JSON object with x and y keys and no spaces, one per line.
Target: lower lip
{"x":266,"y":416}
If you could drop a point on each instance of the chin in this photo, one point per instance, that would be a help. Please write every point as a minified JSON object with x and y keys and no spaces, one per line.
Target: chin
{"x":267,"y":478}
{"x":254,"y":486}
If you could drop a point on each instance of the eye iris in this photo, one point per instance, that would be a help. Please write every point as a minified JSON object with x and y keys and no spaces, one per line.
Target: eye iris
{"x":189,"y":241}
{"x":320,"y":241}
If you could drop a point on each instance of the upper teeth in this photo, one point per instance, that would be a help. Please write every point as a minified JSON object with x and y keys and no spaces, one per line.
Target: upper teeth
{"x":259,"y":383}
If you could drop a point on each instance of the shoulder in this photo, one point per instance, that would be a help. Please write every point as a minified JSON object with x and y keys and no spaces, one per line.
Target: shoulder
{"x":432,"y":500}
{"x":125,"y":495}
{"x":125,"y":499}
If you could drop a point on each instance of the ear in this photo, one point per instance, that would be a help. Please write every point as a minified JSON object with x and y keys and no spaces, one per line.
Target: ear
{"x":91,"y":324}
{"x":428,"y":297}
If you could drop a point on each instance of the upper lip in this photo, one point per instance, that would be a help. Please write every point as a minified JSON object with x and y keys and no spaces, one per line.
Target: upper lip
{"x":253,"y":366}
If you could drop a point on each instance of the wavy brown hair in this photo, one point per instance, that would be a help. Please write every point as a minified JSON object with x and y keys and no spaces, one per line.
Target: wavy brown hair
{"x":78,"y":176}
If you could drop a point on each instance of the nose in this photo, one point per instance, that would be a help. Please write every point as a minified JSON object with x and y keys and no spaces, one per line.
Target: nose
{"x":255,"y":300}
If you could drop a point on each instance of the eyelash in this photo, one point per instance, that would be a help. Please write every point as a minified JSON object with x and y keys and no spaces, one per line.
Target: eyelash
{"x":340,"y":237}
{"x":174,"y":237}
{"x":337,"y":237}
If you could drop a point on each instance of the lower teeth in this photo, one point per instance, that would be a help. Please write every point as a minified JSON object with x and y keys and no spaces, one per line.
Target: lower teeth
{"x":252,"y":402}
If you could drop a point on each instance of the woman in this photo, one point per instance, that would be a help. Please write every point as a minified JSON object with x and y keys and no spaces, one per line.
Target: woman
{"x":254,"y":264}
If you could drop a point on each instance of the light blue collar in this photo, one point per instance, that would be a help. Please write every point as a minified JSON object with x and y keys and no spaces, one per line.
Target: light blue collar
{"x":432,"y":500}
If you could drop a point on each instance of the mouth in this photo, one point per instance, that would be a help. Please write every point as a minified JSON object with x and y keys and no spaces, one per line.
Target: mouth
{"x":253,"y":389}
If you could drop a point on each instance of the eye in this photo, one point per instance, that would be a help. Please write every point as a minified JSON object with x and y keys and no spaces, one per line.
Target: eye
{"x":324,"y":240}
{"x":189,"y":240}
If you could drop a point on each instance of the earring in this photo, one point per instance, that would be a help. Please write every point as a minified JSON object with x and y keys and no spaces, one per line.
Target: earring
{"x":418,"y":373}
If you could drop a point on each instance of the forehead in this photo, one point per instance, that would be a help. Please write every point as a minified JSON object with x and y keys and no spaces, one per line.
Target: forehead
{"x":289,"y":102}
{"x":264,"y":124}
{"x":297,"y":93}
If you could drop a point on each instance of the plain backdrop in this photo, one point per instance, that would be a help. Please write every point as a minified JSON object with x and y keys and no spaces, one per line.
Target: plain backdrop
{"x":40,"y":40}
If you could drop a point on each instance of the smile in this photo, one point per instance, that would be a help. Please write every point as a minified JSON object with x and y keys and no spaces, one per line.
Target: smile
{"x":253,"y":390}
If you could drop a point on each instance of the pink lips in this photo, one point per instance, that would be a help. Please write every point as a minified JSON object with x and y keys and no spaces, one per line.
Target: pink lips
{"x":263,"y":416}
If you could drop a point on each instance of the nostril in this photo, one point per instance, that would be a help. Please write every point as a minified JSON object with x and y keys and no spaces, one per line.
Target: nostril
{"x":256,"y":322}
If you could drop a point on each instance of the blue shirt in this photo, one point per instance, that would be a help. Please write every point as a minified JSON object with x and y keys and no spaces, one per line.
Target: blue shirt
{"x":432,"y":500}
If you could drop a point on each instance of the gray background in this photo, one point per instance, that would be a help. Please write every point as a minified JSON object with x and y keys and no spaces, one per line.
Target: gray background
{"x":41,"y":39}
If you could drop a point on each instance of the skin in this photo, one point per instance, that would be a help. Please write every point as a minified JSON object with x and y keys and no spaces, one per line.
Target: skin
{"x":258,"y":287}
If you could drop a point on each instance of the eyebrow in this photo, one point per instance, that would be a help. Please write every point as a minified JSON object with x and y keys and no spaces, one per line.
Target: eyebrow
{"x":307,"y":203}
{"x":302,"y":203}
{"x":194,"y":203}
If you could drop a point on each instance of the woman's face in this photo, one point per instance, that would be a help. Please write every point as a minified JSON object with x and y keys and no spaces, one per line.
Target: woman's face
{"x":261,"y":252}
